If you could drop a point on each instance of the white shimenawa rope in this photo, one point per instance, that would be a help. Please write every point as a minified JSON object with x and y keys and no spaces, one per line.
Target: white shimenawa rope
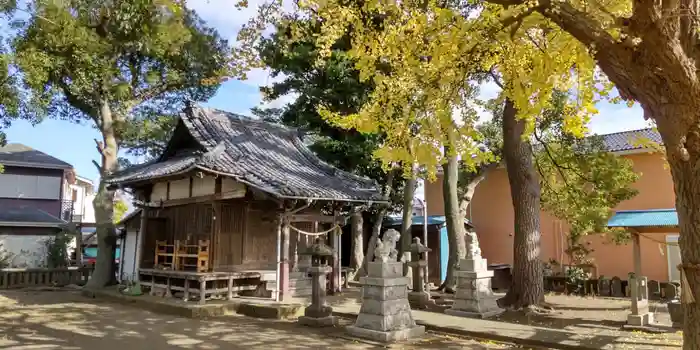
{"x":313,"y":233}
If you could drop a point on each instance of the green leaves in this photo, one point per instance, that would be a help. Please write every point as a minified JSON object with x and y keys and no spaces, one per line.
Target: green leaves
{"x":581,"y":180}
{"x":125,"y":63}
{"x":75,"y":53}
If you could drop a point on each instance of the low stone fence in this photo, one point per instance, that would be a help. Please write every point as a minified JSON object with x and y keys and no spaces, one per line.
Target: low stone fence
{"x":609,"y":287}
{"x":38,"y":277}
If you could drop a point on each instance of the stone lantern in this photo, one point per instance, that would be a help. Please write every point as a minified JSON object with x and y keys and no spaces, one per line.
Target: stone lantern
{"x":318,"y":314}
{"x":418,"y":298}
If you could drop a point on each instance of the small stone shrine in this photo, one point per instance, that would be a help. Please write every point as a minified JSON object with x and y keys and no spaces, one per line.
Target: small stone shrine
{"x":639,"y":295}
{"x":474,"y":297}
{"x":385,"y":314}
{"x":318,"y":314}
{"x":418,"y":297}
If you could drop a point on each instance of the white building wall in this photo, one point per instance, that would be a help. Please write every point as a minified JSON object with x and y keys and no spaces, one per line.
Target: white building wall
{"x":128,"y":270}
{"x":88,"y":209}
{"x":27,"y":251}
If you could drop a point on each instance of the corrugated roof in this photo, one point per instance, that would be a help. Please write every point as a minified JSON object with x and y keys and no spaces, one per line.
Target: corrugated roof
{"x":18,"y":154}
{"x":265,"y":156}
{"x":26,"y":214}
{"x":644,"y":218}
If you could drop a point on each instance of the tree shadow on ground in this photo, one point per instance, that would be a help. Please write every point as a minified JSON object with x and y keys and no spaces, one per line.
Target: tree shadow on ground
{"x":66,"y":320}
{"x":594,"y":328}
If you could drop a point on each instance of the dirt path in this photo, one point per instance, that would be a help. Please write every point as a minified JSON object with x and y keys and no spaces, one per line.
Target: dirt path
{"x":65,"y":320}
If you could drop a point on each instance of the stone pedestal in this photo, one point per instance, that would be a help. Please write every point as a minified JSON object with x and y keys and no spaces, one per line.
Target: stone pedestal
{"x":418,"y":297}
{"x":385,"y":314}
{"x":474,"y":297}
{"x":318,"y":314}
{"x":639,"y":296}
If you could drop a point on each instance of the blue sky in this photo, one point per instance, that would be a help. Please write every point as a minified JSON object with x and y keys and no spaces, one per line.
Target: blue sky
{"x":74,"y":143}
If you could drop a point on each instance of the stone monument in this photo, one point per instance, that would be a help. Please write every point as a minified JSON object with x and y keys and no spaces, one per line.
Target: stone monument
{"x":418,"y":297}
{"x":474,"y":297}
{"x":385,"y":314}
{"x":639,"y":295}
{"x":318,"y":314}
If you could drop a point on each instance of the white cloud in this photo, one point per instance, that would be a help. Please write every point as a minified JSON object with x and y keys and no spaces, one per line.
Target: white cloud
{"x":228,"y":21}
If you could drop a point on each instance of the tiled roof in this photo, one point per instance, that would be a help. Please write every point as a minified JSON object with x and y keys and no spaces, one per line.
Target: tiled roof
{"x":27,"y":215}
{"x":20,"y":155}
{"x":630,"y":140}
{"x":644,"y":218}
{"x":265,"y":156}
{"x":417,"y":220}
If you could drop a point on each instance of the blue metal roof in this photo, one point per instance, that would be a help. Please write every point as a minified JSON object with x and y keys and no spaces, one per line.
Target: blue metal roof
{"x":417,"y":220}
{"x":644,"y":218}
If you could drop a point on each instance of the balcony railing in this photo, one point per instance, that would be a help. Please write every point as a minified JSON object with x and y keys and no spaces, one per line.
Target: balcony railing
{"x":68,"y":212}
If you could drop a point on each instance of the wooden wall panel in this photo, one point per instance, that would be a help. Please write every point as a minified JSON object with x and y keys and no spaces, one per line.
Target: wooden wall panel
{"x":202,"y":186}
{"x":160,"y":191}
{"x":180,"y":189}
{"x":230,"y":241}
{"x":260,"y":242}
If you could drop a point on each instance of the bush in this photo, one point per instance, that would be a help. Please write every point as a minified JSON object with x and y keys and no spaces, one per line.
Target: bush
{"x":5,"y":258}
{"x":57,"y":250}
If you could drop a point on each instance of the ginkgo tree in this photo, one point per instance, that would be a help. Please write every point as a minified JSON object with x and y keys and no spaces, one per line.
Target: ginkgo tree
{"x":422,"y":58}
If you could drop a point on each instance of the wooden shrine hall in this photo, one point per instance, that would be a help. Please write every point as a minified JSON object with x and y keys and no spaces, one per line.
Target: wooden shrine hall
{"x":228,"y":205}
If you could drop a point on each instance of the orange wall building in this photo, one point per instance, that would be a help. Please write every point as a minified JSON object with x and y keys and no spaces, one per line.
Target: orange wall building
{"x":491,"y":212}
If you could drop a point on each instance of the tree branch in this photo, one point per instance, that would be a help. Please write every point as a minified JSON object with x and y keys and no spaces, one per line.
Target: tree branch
{"x":73,"y":100}
{"x":99,"y":168}
{"x":100,"y":147}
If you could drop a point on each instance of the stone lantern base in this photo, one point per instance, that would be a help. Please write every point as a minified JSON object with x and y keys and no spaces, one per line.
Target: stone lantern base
{"x":318,"y":314}
{"x":419,"y":300}
{"x":328,"y":321}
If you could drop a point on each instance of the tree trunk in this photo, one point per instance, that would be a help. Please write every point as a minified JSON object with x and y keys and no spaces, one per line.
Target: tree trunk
{"x":358,"y":256}
{"x":455,"y":222}
{"x":409,"y":191}
{"x":686,"y":181}
{"x":105,"y":266}
{"x":527,"y":288}
{"x":377,"y":226}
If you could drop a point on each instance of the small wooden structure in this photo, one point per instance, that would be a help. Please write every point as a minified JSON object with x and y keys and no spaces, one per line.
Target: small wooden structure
{"x":641,"y":223}
{"x":218,"y":207}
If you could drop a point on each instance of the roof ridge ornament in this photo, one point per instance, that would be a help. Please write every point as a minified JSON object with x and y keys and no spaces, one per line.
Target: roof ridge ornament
{"x":214,"y":154}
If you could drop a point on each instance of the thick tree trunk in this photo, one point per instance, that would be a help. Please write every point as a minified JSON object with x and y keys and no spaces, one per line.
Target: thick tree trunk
{"x":377,"y":225}
{"x":406,"y":224}
{"x":358,"y":256}
{"x":453,"y":220}
{"x":527,"y":288}
{"x":105,"y":266}
{"x":686,"y":181}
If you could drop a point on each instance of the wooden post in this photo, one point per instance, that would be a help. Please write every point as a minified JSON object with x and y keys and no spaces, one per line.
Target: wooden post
{"x":335,"y":244}
{"x":79,"y":246}
{"x":214,"y":256}
{"x":637,"y":254}
{"x":186,"y":297}
{"x":295,"y":252}
{"x":284,"y":264}
{"x":139,"y":242}
{"x":202,"y":291}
